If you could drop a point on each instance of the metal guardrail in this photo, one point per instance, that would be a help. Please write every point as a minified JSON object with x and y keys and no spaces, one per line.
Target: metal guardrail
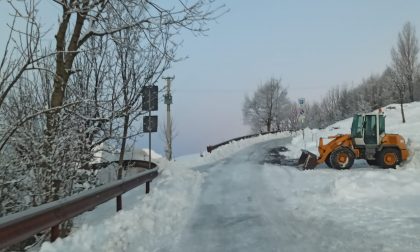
{"x":210,"y":148}
{"x":126,"y":163}
{"x":20,"y":226}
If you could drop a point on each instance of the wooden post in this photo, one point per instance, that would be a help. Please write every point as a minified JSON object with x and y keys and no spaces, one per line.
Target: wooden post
{"x":55,"y":233}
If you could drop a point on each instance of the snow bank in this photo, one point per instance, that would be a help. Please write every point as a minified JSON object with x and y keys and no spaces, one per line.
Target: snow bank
{"x":156,"y":217}
{"x":106,"y":154}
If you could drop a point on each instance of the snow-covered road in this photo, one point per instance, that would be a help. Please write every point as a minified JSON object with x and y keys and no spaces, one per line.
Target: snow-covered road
{"x":246,"y":205}
{"x":236,"y":210}
{"x":240,"y":209}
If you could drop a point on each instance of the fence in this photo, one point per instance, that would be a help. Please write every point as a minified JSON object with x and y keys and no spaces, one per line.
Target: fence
{"x":20,"y":226}
{"x":210,"y":148}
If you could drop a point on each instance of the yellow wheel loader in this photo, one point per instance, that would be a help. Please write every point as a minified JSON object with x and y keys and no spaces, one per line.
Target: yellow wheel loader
{"x":367,"y":140}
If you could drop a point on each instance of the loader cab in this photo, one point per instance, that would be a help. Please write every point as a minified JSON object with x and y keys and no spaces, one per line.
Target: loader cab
{"x":368,"y":129}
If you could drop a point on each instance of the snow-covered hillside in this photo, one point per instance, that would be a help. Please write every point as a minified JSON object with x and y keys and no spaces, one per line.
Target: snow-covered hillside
{"x":232,"y":200}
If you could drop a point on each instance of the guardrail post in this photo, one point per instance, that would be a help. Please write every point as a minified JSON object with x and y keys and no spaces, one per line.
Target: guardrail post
{"x":147,"y":187}
{"x":55,"y":232}
{"x":119,"y":203}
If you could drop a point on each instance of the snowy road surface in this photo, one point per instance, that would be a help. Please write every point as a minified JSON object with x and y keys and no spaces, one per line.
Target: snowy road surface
{"x":237,"y":209}
{"x":246,"y":205}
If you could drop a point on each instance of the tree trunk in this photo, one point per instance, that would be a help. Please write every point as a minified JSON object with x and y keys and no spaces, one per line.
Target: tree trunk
{"x":402,"y":111}
{"x":269,"y":125}
{"x":411,"y":90}
{"x":64,"y":63}
{"x":121,"y":158}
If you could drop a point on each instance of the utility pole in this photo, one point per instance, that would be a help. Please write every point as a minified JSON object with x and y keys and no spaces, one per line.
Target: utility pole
{"x":168,"y":102}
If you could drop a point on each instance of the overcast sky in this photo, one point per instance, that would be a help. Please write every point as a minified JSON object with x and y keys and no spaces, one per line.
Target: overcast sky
{"x":311,"y":45}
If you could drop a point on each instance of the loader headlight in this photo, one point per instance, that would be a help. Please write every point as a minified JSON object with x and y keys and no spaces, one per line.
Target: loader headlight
{"x":402,"y":140}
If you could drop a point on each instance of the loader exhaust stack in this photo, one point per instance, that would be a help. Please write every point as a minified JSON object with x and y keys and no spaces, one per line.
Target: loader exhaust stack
{"x":307,"y":160}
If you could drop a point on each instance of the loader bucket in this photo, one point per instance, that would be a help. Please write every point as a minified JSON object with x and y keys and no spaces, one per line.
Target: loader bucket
{"x":307,"y":160}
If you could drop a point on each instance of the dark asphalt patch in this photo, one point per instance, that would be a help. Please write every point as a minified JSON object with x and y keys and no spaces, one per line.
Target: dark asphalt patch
{"x":275,"y":156}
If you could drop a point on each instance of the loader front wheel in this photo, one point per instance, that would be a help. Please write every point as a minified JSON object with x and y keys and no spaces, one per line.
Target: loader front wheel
{"x":389,"y":158}
{"x":342,"y":158}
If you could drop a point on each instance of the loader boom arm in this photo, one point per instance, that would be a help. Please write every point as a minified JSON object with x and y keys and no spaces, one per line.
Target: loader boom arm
{"x":309,"y":160}
{"x":326,"y":149}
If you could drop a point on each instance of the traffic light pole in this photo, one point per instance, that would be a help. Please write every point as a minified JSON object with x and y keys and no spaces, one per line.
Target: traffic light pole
{"x":150,"y":138}
{"x":150,"y":147}
{"x":149,"y":104}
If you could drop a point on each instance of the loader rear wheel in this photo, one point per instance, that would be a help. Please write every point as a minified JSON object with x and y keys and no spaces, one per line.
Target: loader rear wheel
{"x":389,"y":158}
{"x":342,"y":158}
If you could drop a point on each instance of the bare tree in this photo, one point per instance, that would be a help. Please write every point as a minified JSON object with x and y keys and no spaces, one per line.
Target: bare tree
{"x":58,"y":104}
{"x":401,"y":86}
{"x":404,"y":58}
{"x":99,"y":18}
{"x":21,"y":46}
{"x":293,"y":117}
{"x":266,"y":108}
{"x":314,"y":116}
